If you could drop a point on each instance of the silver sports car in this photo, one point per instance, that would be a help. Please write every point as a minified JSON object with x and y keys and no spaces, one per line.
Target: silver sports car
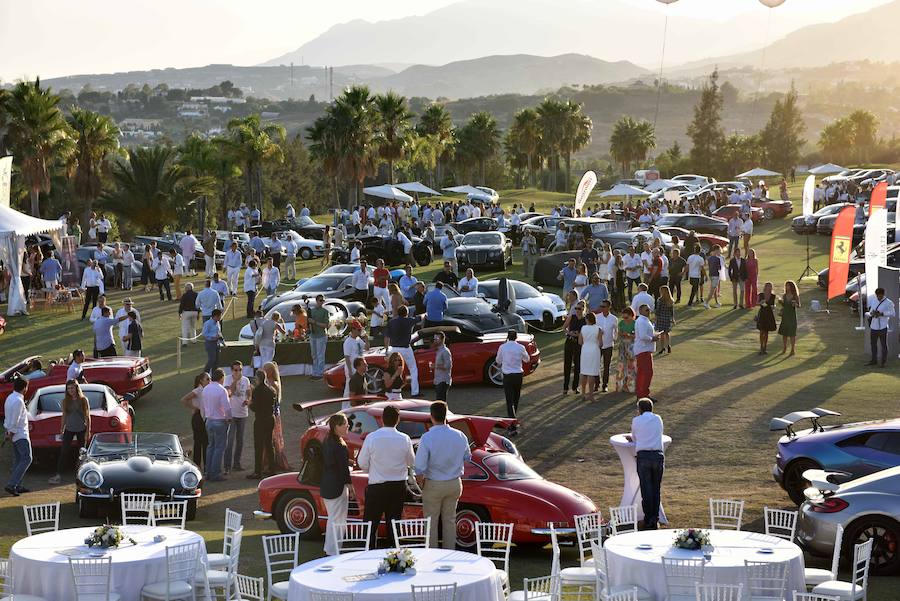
{"x":867,"y":507}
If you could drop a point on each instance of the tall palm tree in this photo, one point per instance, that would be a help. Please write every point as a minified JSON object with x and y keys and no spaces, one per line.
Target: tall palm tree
{"x":4,"y":119}
{"x":435,"y":122}
{"x":96,"y":140}
{"x":200,"y":156}
{"x":551,"y":113}
{"x":482,"y":139}
{"x":355,"y":121}
{"x":630,"y":140}
{"x":37,"y":133}
{"x":225,"y":169}
{"x":423,"y":153}
{"x":253,"y":143}
{"x":393,"y":124}
{"x":324,"y":147}
{"x":152,"y":189}
{"x":526,"y":137}
{"x":576,"y":135}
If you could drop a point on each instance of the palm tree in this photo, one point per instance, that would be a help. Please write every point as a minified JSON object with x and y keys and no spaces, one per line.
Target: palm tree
{"x":576,"y":135}
{"x":393,"y":125}
{"x":253,"y":143}
{"x":151,"y":189}
{"x":423,"y":153}
{"x":435,"y":122}
{"x":355,"y":121}
{"x":630,"y":140}
{"x":200,"y":156}
{"x":96,"y":139}
{"x":482,"y":139}
{"x":323,"y":146}
{"x":551,"y":113}
{"x":4,"y":119}
{"x":223,"y":171}
{"x":525,"y":137}
{"x":37,"y":134}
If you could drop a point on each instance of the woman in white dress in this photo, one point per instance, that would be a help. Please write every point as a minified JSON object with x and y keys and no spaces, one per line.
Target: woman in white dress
{"x":581,"y":279}
{"x":589,"y":338}
{"x":603,"y":263}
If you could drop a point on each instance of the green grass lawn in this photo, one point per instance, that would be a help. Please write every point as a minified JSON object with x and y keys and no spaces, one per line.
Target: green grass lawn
{"x":716,"y":397}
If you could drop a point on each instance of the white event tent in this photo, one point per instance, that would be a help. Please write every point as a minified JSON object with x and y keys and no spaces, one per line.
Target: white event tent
{"x":14,"y":228}
{"x":827,"y":169}
{"x":417,"y":188}
{"x":758,"y":172}
{"x":624,"y":190}
{"x":388,"y":192}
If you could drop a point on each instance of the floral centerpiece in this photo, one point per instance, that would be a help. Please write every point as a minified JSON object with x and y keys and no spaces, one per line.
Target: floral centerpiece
{"x":107,"y":536}
{"x":399,"y":560}
{"x":692,"y":539}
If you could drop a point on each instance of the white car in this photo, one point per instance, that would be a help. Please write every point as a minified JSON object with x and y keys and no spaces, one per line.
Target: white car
{"x":536,"y":307}
{"x":307,"y":248}
{"x":487,"y":195}
{"x":695,"y":181}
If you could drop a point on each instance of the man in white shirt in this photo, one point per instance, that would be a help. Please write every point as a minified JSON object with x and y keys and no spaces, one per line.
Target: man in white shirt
{"x":290,"y":249}
{"x":103,"y":227}
{"x":633,"y":268}
{"x":127,"y":306}
{"x":642,"y":298}
{"x":468,"y":286}
{"x":75,"y":370}
{"x":695,"y":265}
{"x":881,"y":309}
{"x":649,"y":449}
{"x":15,"y":422}
{"x":355,"y":252}
{"x":354,"y":346}
{"x":238,"y":387}
{"x":386,"y":454}
{"x":92,"y":284}
{"x":97,"y":312}
{"x":609,"y":329}
{"x":407,"y":247}
{"x":734,"y":233}
{"x":747,"y":233}
{"x":511,"y":357}
{"x":217,"y":409}
{"x":252,"y":278}
{"x":448,"y":250}
{"x":360,"y":282}
{"x":233,"y":262}
{"x":271,"y":277}
{"x":645,"y":337}
{"x":162,"y":269}
{"x":189,"y":244}
{"x":646,"y":262}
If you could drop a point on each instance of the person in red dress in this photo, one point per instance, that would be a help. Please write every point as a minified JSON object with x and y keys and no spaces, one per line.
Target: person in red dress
{"x":750,"y":286}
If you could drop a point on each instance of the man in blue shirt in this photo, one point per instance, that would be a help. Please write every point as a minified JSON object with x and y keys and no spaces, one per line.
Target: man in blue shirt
{"x":435,"y":305}
{"x":257,"y":243}
{"x":567,"y":274}
{"x":408,"y":283}
{"x":397,"y":337}
{"x":104,"y":343}
{"x":440,"y":460}
{"x":208,"y":300}
{"x":595,"y":294}
{"x":50,"y":272}
{"x":212,"y":334}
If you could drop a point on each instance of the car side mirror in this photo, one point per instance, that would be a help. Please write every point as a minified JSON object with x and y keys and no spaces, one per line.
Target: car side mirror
{"x":82,"y":454}
{"x":540,"y":288}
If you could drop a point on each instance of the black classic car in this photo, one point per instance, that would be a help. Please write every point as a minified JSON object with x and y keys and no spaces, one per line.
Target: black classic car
{"x":484,"y":249}
{"x":699,"y":223}
{"x":387,"y":248}
{"x":304,"y":226}
{"x":806,"y":224}
{"x":134,"y":462}
{"x":475,"y":224}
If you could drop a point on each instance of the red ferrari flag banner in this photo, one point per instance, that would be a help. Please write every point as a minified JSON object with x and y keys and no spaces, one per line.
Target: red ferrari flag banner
{"x":878,"y":198}
{"x":841,"y":245}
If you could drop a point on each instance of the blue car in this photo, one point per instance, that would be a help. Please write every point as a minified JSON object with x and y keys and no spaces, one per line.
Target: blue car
{"x":854,"y":450}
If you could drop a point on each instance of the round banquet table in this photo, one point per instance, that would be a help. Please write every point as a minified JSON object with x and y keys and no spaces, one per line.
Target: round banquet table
{"x":40,"y":563}
{"x":629,"y":565}
{"x":631,"y":489}
{"x":476,"y":578}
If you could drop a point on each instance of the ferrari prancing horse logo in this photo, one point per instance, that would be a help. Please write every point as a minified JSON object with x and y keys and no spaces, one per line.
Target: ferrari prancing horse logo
{"x":840,"y":249}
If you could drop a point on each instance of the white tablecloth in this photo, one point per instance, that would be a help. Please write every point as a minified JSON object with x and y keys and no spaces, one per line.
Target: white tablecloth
{"x":631,"y":490}
{"x":629,"y":565}
{"x":41,"y":562}
{"x":476,"y":578}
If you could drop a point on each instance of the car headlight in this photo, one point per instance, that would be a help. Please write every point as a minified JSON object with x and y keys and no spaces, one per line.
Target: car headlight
{"x":522,"y":311}
{"x":189,"y":480}
{"x":92,"y":478}
{"x":495,"y":253}
{"x":560,"y":307}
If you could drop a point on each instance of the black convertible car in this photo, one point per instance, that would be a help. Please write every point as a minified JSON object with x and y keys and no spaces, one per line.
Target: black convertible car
{"x":304,"y":226}
{"x":387,"y":248}
{"x":132,"y":462}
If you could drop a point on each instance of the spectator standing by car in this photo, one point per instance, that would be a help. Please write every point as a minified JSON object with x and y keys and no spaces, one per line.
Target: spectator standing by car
{"x":334,"y":487}
{"x":714,"y":265}
{"x":644,"y":346}
{"x":747,"y":232}
{"x":765,"y":317}
{"x":209,"y":252}
{"x":194,"y":401}
{"x":750,"y":286}
{"x":358,"y":383}
{"x":220,"y":287}
{"x":103,"y":228}
{"x":188,"y":314}
{"x":443,"y":367}
{"x":435,"y":302}
{"x":75,"y":424}
{"x":572,"y":347}
{"x":218,"y":417}
{"x":208,"y":300}
{"x":162,"y":269}
{"x":212,"y":336}
{"x":133,"y":340}
{"x":396,"y":299}
{"x":252,"y":279}
{"x":609,"y":325}
{"x":146,"y":270}
{"x":567,"y":276}
{"x":398,"y":335}
{"x":695,"y":266}
{"x":447,"y":276}
{"x":75,"y":371}
{"x":233,"y":262}
{"x":264,"y":332}
{"x":386,"y":454}
{"x":677,"y":267}
{"x":439,"y":464}
{"x":50,"y":269}
{"x":529,"y":252}
{"x":468,"y":286}
{"x":737,"y":273}
{"x":511,"y":356}
{"x":418,"y":299}
{"x":15,"y":422}
{"x":665,"y":318}
{"x":127,"y":266}
{"x":408,"y":283}
{"x":881,"y":309}
{"x":589,"y":367}
{"x":789,"y":302}
{"x":581,"y":279}
{"x":276,"y":248}
{"x":189,"y":244}
{"x":238,"y":386}
{"x":263,"y":401}
{"x":642,"y":298}
{"x":595,"y":294}
{"x":271,"y":277}
{"x":735,"y":226}
{"x":104,"y":344}
{"x":448,"y":250}
{"x":360,"y":282}
{"x":319,"y":320}
{"x":634,"y":266}
{"x":380,"y":286}
{"x":92,"y":284}
{"x":590,"y":256}
{"x":647,"y":435}
{"x":394,"y":377}
{"x":354,"y":346}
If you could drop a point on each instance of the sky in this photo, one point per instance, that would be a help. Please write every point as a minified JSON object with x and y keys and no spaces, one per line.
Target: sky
{"x":52,"y":38}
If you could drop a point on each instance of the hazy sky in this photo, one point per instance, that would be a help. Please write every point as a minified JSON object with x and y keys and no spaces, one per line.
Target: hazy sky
{"x":64,"y":37}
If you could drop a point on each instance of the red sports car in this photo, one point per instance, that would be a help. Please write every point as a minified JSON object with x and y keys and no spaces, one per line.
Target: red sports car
{"x":109,"y":413}
{"x":773,"y":208}
{"x":474,"y":359}
{"x":125,"y":375}
{"x":707,"y":241}
{"x":497,"y":485}
{"x":726,"y":212}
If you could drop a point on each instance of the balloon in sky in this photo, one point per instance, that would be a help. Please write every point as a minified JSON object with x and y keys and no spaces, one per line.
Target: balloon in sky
{"x":772,"y":3}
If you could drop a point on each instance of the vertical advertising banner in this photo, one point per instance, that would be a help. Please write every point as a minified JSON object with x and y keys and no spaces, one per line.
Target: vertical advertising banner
{"x":841,"y":246}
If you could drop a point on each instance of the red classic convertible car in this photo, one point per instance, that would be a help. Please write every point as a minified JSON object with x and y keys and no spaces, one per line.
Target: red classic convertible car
{"x":497,"y":485}
{"x":123,"y":374}
{"x":109,"y":413}
{"x":474,"y":359}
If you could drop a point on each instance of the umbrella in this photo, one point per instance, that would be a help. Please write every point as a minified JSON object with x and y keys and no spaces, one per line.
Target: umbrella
{"x":826,"y":169}
{"x":660,"y":184}
{"x":467,"y":189}
{"x":388,"y":192}
{"x":758,"y":172}
{"x":624,"y":190}
{"x":417,"y":188}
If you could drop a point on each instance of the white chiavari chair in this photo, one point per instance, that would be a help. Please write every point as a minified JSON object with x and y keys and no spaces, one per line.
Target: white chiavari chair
{"x":858,"y":586}
{"x":137,"y":509}
{"x":814,"y":576}
{"x":352,"y":536}
{"x":411,"y":534}
{"x":682,"y":577}
{"x":623,"y":519}
{"x":781,"y":523}
{"x":182,"y":562}
{"x":92,"y":580}
{"x":725,"y":514}
{"x":250,"y":589}
{"x":233,"y":521}
{"x":6,"y":584}
{"x":494,"y":541}
{"x":172,"y":514}
{"x":282,"y":553}
{"x":434,"y":592}
{"x":719,"y":592}
{"x":41,"y":518}
{"x":766,"y":581}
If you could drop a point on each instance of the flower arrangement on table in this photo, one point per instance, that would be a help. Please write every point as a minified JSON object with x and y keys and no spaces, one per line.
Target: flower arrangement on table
{"x":692,"y":539}
{"x":398,"y":560}
{"x":107,"y":536}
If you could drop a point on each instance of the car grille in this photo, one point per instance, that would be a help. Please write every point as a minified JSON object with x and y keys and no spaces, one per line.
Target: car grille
{"x":478,"y":257}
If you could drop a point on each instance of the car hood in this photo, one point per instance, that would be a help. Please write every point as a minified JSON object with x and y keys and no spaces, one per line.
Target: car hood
{"x":559,"y":503}
{"x":476,"y":247}
{"x":140,"y":472}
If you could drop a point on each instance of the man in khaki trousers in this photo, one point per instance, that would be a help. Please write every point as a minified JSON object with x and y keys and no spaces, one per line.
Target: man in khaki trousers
{"x":440,"y":459}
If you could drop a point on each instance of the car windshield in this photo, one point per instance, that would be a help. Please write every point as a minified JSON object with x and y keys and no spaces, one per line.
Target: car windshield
{"x":508,"y":467}
{"x":667,"y":220}
{"x":323,"y":283}
{"x":477,"y":239}
{"x":603,"y":227}
{"x":468,"y":307}
{"x":134,"y":443}
{"x":52,"y":401}
{"x":523,"y":290}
